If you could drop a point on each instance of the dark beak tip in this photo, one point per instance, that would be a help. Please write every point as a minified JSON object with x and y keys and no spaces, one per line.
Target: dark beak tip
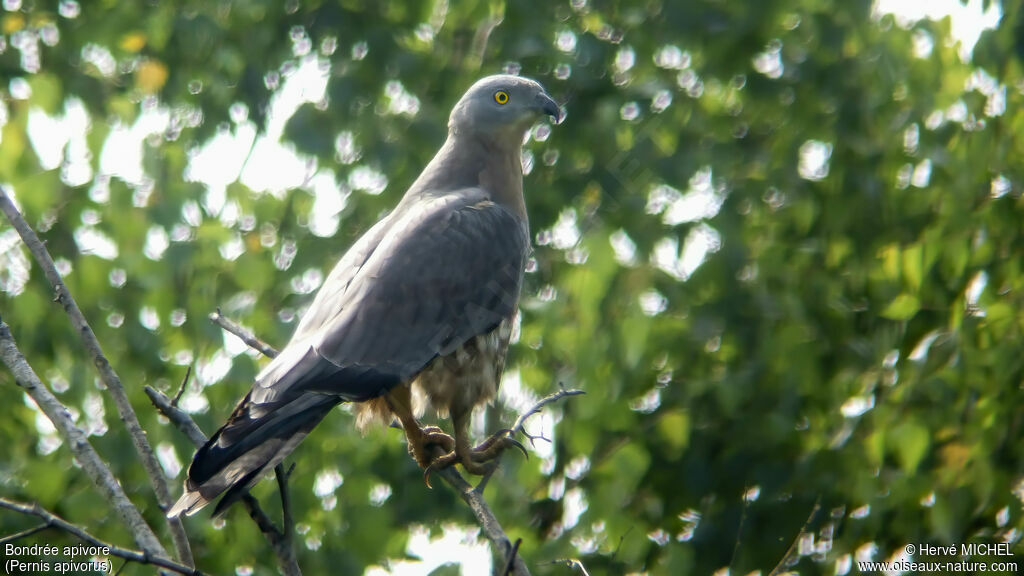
{"x":551,"y":108}
{"x":556,"y":114}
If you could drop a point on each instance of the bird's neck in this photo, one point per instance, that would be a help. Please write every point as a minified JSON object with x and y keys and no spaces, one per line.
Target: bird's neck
{"x":472,"y":161}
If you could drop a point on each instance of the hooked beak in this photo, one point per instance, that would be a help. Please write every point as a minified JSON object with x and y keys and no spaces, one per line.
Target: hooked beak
{"x":547,"y":105}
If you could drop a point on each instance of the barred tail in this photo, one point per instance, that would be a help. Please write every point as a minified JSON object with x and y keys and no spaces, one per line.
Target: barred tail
{"x":256,"y":438}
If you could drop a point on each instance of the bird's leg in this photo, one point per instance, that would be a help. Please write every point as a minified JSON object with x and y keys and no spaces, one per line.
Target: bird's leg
{"x":476,"y":460}
{"x":419,"y":438}
{"x":463,"y":452}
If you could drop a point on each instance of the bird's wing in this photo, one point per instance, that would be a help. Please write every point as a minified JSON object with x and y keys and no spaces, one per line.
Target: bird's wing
{"x":445,"y":269}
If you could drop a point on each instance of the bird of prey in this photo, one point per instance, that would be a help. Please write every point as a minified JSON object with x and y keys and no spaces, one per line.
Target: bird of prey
{"x":419,"y":308}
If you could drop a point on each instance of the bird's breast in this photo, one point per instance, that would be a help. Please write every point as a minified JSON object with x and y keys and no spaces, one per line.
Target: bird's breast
{"x":466,"y":377}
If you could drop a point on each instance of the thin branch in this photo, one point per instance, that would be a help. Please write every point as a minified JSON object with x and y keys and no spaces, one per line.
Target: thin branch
{"x":743,"y":523}
{"x":519,"y":426}
{"x":24,"y":533}
{"x":184,"y":384}
{"x":287,"y":523}
{"x":107,"y":374}
{"x":247,"y":336}
{"x":78,"y":443}
{"x":280,"y":543}
{"x":794,"y":547}
{"x":484,"y":516}
{"x":280,"y":540}
{"x":474,"y":497}
{"x":177,"y":416}
{"x":571,"y":563}
{"x":52,"y":520}
{"x":619,"y":545}
{"x":510,"y":563}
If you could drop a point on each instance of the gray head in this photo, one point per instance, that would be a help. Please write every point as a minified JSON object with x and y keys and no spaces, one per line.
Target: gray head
{"x":502,"y":106}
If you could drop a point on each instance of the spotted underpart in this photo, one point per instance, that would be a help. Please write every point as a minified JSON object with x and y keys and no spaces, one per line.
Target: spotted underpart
{"x":451,"y":384}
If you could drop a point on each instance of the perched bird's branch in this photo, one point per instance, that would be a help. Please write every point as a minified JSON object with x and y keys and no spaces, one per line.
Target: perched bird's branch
{"x":520,"y":424}
{"x":182,"y":421}
{"x":78,"y":443}
{"x":472,"y":496}
{"x":280,"y":539}
{"x":572,"y":563}
{"x":512,"y":555}
{"x":792,"y":554}
{"x":248,"y":337}
{"x":51,"y":520}
{"x":287,"y":531}
{"x":107,"y":374}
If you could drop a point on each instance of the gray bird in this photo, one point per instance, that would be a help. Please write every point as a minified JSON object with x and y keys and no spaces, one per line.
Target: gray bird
{"x":418,"y":311}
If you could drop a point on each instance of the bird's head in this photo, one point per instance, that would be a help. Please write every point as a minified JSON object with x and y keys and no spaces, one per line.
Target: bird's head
{"x":502,"y":106}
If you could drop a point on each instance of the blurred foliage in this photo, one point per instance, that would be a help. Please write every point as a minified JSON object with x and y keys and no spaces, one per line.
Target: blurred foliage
{"x":850,"y":345}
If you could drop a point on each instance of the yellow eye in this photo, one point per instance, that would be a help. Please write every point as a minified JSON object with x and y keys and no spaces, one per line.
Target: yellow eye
{"x":501,"y":97}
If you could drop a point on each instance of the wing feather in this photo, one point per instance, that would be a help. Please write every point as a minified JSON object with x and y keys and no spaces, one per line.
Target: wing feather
{"x":430,"y":277}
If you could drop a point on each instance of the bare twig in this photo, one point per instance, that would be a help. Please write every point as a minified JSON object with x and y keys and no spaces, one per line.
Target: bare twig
{"x":280,"y":540}
{"x":184,"y":384}
{"x":51,"y":520}
{"x":743,"y":523}
{"x":519,"y":426}
{"x":488,"y":522}
{"x":510,"y":563}
{"x":619,"y":545}
{"x":571,"y":563}
{"x":107,"y":374}
{"x":248,"y":337}
{"x":24,"y":533}
{"x":287,"y":550}
{"x":78,"y":443}
{"x":287,"y":523}
{"x":177,"y":416}
{"x":281,"y":543}
{"x":794,"y":547}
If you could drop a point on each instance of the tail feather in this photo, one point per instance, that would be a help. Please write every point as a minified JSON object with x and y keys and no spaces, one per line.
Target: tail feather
{"x":256,"y":438}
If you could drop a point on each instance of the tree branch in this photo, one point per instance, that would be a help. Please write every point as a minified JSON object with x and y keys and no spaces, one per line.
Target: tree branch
{"x":247,"y":336}
{"x":519,"y":426}
{"x":485,"y":518}
{"x":474,"y":497}
{"x":177,"y":416}
{"x":24,"y":533}
{"x":107,"y":374}
{"x":571,"y":563}
{"x":280,"y":540}
{"x":78,"y":443}
{"x":51,"y":520}
{"x":792,"y":553}
{"x":512,"y":555}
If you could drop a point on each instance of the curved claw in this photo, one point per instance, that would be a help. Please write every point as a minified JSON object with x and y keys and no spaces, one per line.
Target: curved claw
{"x":484,"y":453}
{"x":437,"y":464}
{"x":519,"y":445}
{"x":499,"y":435}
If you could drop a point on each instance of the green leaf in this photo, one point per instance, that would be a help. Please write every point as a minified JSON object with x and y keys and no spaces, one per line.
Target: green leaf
{"x":903,"y":307}
{"x":910,"y":441}
{"x":674,"y":428}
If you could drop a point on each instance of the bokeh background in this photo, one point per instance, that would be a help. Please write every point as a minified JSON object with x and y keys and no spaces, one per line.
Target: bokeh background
{"x":778,"y":242}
